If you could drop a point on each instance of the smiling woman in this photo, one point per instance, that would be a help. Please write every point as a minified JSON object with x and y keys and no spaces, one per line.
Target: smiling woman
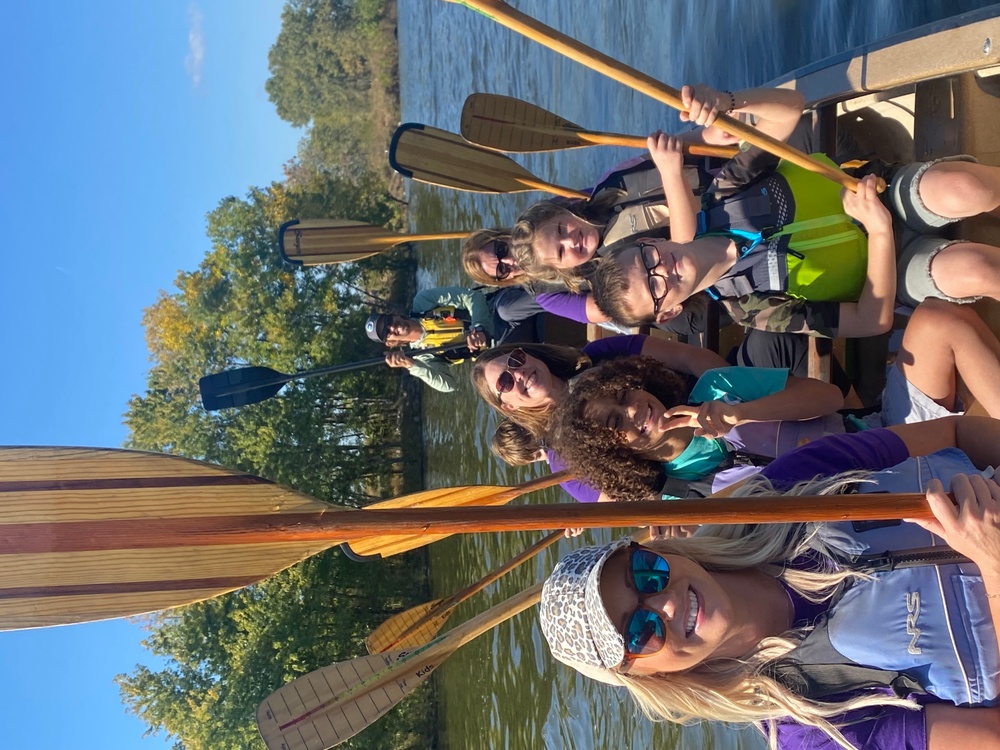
{"x":724,"y":625}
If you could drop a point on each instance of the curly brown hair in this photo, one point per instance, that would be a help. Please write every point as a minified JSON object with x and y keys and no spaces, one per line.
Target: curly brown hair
{"x":598,"y":454}
{"x":564,"y":362}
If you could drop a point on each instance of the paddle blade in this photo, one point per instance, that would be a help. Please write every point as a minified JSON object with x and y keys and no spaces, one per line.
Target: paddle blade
{"x":77,"y":540}
{"x":447,"y":497}
{"x":317,"y":241}
{"x":412,"y":627}
{"x":239,"y":387}
{"x":295,"y":717}
{"x":509,"y":124}
{"x":438,"y":157}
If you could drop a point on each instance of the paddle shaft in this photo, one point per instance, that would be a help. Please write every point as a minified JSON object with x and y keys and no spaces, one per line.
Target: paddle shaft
{"x":608,"y":66}
{"x":397,"y":239}
{"x":431,"y":654}
{"x":448,"y":604}
{"x":280,"y":377}
{"x":639,"y":141}
{"x":339,"y":526}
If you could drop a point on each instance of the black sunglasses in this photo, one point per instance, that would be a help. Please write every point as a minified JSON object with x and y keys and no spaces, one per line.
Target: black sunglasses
{"x":501,"y":250}
{"x":505,"y":383}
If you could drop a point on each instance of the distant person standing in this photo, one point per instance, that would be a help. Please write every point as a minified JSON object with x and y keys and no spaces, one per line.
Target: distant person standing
{"x":439,"y":317}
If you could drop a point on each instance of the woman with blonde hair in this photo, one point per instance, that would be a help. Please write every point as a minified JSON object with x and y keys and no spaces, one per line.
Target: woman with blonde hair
{"x":795,"y":628}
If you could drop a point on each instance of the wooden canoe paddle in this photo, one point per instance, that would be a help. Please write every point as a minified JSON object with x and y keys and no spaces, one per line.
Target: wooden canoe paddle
{"x":420,"y":624}
{"x":525,"y":25}
{"x":94,"y":533}
{"x":508,"y":124}
{"x":314,"y":242}
{"x":328,"y":706}
{"x":438,"y":157}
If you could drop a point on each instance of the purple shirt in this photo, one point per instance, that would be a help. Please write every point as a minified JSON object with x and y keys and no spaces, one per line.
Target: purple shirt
{"x":871,"y":450}
{"x":885,"y":727}
{"x":571,"y":305}
{"x":598,"y":351}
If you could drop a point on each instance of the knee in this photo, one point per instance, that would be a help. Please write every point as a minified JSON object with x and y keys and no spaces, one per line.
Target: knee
{"x":957,"y":189}
{"x":967,"y":269}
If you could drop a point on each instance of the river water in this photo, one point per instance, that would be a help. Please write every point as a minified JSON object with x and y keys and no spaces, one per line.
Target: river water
{"x":504,"y":690}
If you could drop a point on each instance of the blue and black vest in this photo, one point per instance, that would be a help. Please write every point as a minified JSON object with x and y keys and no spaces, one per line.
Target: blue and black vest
{"x":925,"y":629}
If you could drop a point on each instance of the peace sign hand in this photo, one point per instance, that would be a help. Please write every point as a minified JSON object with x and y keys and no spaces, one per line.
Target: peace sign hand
{"x":710,"y":419}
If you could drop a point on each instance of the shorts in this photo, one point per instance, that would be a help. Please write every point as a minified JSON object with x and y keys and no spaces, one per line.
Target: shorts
{"x":904,"y":196}
{"x":904,"y":403}
{"x":913,"y":271}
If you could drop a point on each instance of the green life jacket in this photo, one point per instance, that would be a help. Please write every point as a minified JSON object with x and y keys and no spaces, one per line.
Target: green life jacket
{"x":813,"y":250}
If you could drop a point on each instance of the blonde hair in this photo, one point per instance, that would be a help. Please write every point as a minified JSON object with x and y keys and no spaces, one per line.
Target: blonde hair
{"x":472,"y":247}
{"x":564,"y":362}
{"x":524,"y":234}
{"x":742,"y":690}
{"x":515,"y":444}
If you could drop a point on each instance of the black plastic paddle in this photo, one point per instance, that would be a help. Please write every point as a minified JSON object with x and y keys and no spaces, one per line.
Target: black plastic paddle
{"x":251,"y":385}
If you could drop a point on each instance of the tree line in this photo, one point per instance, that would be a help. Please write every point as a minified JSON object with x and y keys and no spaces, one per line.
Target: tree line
{"x":339,"y":439}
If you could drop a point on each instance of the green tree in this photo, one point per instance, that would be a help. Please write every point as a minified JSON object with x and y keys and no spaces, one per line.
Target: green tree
{"x":225,"y":655}
{"x":336,"y":438}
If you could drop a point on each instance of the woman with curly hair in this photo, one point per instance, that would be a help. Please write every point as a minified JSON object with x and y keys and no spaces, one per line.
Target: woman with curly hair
{"x":594,"y":429}
{"x":523,"y":383}
{"x":790,"y":628}
{"x":623,"y":427}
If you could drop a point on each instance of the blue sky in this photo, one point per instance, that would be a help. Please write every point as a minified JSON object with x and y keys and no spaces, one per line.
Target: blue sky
{"x":124,"y":123}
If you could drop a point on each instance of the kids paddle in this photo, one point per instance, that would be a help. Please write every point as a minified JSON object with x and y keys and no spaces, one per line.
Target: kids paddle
{"x":438,"y":157}
{"x":508,"y":124}
{"x":316,"y":242}
{"x":420,"y":624}
{"x":525,"y":25}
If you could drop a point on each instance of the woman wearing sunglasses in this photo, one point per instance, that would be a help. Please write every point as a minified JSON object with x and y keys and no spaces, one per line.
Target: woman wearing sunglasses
{"x":785,"y":626}
{"x":524,"y":383}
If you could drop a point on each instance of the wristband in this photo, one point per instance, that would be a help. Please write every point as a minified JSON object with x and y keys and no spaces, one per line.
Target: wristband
{"x":732,"y":101}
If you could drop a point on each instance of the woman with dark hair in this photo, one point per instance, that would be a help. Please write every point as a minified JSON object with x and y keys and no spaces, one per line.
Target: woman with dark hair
{"x":523,"y":383}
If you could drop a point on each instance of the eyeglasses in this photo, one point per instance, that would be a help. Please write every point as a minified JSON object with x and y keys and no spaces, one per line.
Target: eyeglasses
{"x":645,"y":633}
{"x":505,"y":383}
{"x":501,"y":250}
{"x":656,"y":282}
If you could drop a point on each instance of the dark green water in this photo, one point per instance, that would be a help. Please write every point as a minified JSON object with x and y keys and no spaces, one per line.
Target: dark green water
{"x":504,"y":690}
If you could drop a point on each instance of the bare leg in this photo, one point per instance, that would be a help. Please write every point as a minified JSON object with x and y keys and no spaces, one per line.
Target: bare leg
{"x":941,"y":342}
{"x":967,"y":269}
{"x":958,"y":189}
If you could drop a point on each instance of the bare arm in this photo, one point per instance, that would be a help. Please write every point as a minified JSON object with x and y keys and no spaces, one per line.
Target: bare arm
{"x":668,"y":155}
{"x":802,"y":398}
{"x":685,"y":358}
{"x":777,"y":111}
{"x":872,"y":313}
{"x":977,"y":437}
{"x":949,"y":727}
